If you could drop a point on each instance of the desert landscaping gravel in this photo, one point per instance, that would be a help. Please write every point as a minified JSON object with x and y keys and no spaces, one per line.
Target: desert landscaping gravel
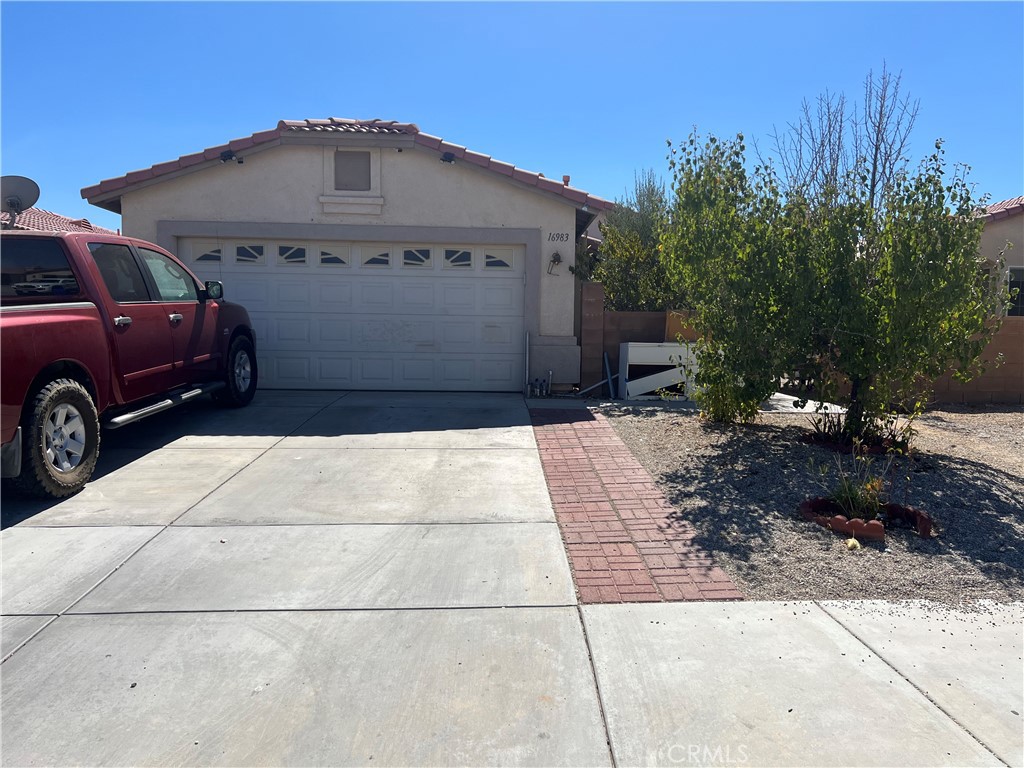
{"x":740,"y":486}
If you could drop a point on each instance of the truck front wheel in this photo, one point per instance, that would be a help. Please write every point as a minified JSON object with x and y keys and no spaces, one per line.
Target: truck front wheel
{"x":241,"y":375}
{"x":61,"y":441}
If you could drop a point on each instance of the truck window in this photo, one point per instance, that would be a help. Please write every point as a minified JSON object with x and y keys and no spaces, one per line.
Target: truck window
{"x":171,"y":280}
{"x":120,"y":272}
{"x":36,"y":271}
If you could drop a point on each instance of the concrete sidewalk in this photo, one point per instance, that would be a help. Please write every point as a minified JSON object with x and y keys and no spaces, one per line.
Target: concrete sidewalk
{"x":378,"y":579}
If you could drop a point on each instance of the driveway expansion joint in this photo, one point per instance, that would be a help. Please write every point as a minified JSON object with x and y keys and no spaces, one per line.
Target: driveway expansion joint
{"x":614,"y":519}
{"x":874,"y":651}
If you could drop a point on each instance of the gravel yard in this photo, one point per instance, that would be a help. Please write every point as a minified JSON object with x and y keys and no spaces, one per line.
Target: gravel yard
{"x":740,"y":487}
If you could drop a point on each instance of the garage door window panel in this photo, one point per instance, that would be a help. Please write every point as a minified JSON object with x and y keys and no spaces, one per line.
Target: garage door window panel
{"x":498,"y":259}
{"x":206,"y":252}
{"x":417,"y":258}
{"x":250,"y":254}
{"x":335,"y":255}
{"x":458,"y":258}
{"x":375,"y":257}
{"x":291,"y":255}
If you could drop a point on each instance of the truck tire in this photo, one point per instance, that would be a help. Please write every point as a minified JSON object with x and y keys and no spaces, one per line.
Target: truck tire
{"x":241,"y":375}
{"x":61,"y":433}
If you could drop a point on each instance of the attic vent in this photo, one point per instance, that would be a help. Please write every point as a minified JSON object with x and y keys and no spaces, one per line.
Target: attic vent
{"x":352,"y":171}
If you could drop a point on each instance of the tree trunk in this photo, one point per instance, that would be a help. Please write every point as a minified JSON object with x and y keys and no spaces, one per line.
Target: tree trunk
{"x":854,"y":426}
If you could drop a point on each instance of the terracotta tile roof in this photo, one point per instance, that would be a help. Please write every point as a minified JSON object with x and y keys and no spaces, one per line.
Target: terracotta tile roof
{"x":1004,"y":208}
{"x":345,"y":125}
{"x":47,"y":221}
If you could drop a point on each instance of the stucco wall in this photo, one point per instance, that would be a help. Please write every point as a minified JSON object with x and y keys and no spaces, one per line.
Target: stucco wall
{"x":289,"y":183}
{"x":285,"y":184}
{"x":997,"y":233}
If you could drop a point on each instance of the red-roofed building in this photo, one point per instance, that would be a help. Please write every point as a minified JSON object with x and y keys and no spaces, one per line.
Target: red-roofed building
{"x":372,"y":255}
{"x":1003,"y":383}
{"x":47,"y":221}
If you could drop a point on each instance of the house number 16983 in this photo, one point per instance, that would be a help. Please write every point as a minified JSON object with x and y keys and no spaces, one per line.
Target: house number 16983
{"x":558,"y":237}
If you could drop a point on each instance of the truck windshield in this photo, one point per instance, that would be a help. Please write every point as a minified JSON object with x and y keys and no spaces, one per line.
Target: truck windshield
{"x":36,"y":271}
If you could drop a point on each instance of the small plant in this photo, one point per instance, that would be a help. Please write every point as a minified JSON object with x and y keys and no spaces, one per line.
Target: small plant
{"x":861,"y":491}
{"x":893,"y":432}
{"x":852,"y":545}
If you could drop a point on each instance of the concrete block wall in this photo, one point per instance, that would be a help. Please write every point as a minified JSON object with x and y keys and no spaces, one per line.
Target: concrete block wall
{"x":1002,"y":385}
{"x":602,"y":331}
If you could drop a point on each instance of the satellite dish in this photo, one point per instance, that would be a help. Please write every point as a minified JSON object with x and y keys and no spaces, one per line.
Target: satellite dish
{"x":17,"y":193}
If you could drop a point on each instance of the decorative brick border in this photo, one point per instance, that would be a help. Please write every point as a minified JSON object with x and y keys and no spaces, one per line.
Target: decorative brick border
{"x":615,"y":520}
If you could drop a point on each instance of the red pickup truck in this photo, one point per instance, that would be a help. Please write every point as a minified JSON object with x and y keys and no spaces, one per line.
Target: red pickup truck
{"x":104,"y":329}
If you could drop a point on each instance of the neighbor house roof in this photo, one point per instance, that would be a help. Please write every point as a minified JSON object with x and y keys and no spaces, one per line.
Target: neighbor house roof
{"x":1004,"y":208}
{"x":47,"y":221}
{"x":110,"y":188}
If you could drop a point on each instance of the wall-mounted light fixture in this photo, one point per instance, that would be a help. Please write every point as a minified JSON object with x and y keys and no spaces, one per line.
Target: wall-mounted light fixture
{"x":556,"y":259}
{"x":448,"y":157}
{"x":228,"y":155}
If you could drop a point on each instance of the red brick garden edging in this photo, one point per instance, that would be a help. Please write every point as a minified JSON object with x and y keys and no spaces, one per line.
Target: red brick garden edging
{"x":614,"y":519}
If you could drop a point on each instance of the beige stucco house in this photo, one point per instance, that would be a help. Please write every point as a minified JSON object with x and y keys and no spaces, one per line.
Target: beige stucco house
{"x":374,"y":256}
{"x":1002,"y":383}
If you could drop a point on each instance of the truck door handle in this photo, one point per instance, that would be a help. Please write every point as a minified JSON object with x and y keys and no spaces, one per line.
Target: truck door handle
{"x":175,"y":317}
{"x":122,"y":320}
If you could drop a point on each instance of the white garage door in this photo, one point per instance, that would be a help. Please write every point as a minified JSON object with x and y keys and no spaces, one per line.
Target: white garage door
{"x":335,"y":315}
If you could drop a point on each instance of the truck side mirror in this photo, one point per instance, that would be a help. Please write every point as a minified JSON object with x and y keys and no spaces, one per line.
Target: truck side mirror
{"x":214,"y":289}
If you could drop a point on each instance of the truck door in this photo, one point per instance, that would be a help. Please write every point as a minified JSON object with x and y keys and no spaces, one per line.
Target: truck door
{"x":142,"y":334}
{"x":193,"y":323}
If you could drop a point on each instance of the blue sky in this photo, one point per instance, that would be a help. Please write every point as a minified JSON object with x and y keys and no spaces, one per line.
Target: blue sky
{"x":93,"y":90}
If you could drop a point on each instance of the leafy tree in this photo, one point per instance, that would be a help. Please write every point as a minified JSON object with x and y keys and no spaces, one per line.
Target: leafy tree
{"x":852,"y":280}
{"x":628,"y":261}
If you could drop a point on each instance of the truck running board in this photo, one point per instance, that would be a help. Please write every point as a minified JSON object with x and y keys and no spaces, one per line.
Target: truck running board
{"x":172,"y":400}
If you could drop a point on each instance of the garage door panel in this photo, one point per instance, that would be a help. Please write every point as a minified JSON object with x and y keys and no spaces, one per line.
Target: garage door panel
{"x":458,"y":371}
{"x":374,"y":296}
{"x":348,"y":325}
{"x":335,"y":296}
{"x":332,"y":332}
{"x":335,"y":372}
{"x":292,"y":331}
{"x":501,"y":298}
{"x":417,"y":374}
{"x":254,"y":293}
{"x":376,"y":371}
{"x":291,"y":371}
{"x":497,"y":371}
{"x":458,"y":297}
{"x":419,"y":297}
{"x":292,"y":295}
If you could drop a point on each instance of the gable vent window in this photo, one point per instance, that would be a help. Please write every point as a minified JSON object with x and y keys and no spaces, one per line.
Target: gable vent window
{"x":352,"y":171}
{"x":416,"y":257}
{"x":287,"y":254}
{"x":454,"y":258}
{"x":249,"y":254}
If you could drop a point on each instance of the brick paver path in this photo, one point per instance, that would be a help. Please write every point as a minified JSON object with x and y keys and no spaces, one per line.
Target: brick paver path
{"x":622,"y":544}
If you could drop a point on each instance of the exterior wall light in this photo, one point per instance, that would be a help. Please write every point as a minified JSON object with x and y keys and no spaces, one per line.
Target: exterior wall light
{"x":448,"y":157}
{"x":556,"y":259}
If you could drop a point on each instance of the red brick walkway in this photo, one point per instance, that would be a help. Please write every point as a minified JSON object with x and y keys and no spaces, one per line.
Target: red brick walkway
{"x":615,"y":522}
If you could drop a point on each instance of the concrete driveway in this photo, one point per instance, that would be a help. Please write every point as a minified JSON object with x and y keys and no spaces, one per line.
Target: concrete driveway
{"x":363,"y":579}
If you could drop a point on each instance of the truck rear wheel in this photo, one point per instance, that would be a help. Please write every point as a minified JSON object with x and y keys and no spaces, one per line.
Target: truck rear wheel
{"x":61,"y":441}
{"x":241,"y":375}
